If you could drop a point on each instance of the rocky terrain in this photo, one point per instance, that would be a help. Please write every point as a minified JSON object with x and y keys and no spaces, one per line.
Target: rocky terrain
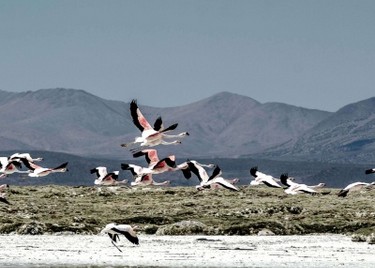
{"x":185,"y":211}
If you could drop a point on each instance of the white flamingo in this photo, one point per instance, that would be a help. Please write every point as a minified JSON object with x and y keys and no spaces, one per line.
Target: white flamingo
{"x":233,"y":181}
{"x":355,"y":186}
{"x":25,"y":155}
{"x":295,"y":188}
{"x":184,"y":167}
{"x":105,"y":178}
{"x":261,"y":178}
{"x":115,"y":230}
{"x":38,"y":171}
{"x":151,"y":136}
{"x":205,"y":180}
{"x":137,"y":171}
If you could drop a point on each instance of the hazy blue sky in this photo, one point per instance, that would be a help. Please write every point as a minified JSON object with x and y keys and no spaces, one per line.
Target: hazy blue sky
{"x":315,"y":54}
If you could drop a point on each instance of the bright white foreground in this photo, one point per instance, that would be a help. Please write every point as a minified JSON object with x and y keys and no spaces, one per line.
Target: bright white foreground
{"x":185,"y":251}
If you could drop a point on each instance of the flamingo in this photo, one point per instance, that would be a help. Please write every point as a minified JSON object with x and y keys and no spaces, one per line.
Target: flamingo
{"x":25,"y":155}
{"x":184,"y":167}
{"x":115,"y":230}
{"x":151,"y":136}
{"x":317,"y":186}
{"x":142,"y":175}
{"x":3,"y":195}
{"x":137,"y":171}
{"x":231,"y":181}
{"x":105,"y":178}
{"x":355,"y":186}
{"x":10,"y":166}
{"x":205,"y":180}
{"x":154,"y":163}
{"x":295,"y":188}
{"x":260,"y":177}
{"x":38,"y":171}
{"x":147,"y":180}
{"x":369,"y":171}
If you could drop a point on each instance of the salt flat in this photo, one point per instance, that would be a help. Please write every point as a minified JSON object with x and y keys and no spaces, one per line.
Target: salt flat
{"x":185,"y":251}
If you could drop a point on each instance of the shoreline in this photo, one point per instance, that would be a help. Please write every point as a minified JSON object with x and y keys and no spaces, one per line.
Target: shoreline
{"x":185,"y":251}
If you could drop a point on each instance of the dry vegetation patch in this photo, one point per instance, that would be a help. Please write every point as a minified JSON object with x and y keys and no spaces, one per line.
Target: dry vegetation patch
{"x":183,"y":210}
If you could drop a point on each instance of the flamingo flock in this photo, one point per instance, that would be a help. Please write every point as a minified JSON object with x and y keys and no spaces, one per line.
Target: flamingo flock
{"x":153,"y":136}
{"x":145,"y":146}
{"x":16,"y":162}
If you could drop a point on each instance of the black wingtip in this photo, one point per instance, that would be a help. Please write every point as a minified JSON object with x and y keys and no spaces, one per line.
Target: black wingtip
{"x":158,"y":123}
{"x":171,"y":127}
{"x":215,"y":173}
{"x":64,"y":165}
{"x":283,"y":178}
{"x":124,"y":166}
{"x":186,"y":172}
{"x":253,"y":170}
{"x":138,"y":154}
{"x":370,"y":171}
{"x":343,"y":193}
{"x":133,"y":108}
{"x":92,"y":171}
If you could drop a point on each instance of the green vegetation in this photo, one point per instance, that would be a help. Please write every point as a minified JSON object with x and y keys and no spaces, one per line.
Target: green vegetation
{"x":183,"y":210}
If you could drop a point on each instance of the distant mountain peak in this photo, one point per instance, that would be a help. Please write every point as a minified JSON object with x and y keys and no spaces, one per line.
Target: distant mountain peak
{"x":223,"y":125}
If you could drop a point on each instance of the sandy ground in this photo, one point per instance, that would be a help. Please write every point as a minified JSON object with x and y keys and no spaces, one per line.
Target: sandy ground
{"x":185,"y":251}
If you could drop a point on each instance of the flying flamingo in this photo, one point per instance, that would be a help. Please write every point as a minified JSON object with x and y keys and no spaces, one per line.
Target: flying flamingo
{"x":137,"y":171}
{"x":184,"y":167}
{"x":10,"y":166}
{"x":260,"y":177}
{"x":105,"y":178}
{"x":205,"y":180}
{"x":295,"y":188}
{"x":151,"y":136}
{"x":115,"y":230}
{"x":38,"y":171}
{"x":24,"y":155}
{"x":142,"y":175}
{"x":231,"y":181}
{"x":355,"y":186}
{"x":154,"y":163}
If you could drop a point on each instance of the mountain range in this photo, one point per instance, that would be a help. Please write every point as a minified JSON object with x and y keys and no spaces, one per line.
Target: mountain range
{"x":236,"y":132}
{"x":225,"y":125}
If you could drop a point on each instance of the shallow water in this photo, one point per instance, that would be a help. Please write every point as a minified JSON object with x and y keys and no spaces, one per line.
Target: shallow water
{"x":185,"y":251}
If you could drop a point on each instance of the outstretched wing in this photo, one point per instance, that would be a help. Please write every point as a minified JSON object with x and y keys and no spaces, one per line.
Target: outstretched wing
{"x":158,"y":125}
{"x":62,"y":167}
{"x":138,"y":119}
{"x":130,"y":236}
{"x":151,"y":155}
{"x":215,"y":173}
{"x":199,"y":171}
{"x":224,"y":183}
